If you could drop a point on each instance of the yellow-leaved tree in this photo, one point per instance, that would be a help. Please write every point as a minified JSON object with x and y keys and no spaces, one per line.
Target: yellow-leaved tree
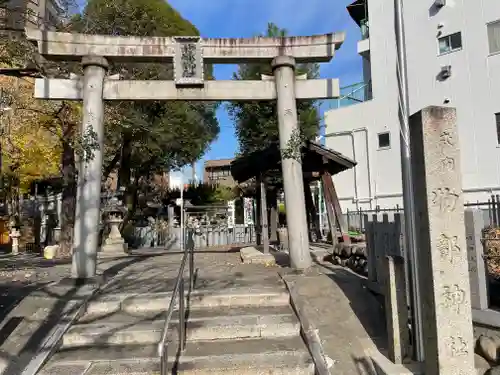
{"x":30,"y":151}
{"x":34,"y":152}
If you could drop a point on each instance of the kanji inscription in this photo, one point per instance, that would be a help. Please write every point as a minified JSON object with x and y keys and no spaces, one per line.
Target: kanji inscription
{"x":448,"y":247}
{"x":445,"y":198}
{"x":453,"y":297}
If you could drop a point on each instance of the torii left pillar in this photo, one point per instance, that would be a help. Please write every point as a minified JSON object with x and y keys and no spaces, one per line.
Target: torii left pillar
{"x":88,"y":197}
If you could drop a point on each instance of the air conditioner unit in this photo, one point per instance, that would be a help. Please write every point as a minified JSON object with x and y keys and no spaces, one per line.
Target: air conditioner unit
{"x":445,"y":72}
{"x":440,"y":3}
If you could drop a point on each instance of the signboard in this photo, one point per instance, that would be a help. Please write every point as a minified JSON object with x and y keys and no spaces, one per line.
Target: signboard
{"x":231,"y":214}
{"x":248,"y":211}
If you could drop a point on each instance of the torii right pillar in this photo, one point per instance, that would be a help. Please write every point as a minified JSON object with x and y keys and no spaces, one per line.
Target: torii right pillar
{"x":296,"y":218}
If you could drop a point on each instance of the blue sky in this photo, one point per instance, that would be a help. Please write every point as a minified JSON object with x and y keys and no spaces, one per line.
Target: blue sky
{"x":246,"y":18}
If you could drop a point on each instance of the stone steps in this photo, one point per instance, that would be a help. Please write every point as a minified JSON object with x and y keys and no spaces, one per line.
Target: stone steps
{"x":243,"y":296}
{"x":196,"y":349}
{"x":212,"y":328}
{"x":271,"y":363}
{"x":194,"y":314}
{"x":242,"y":330}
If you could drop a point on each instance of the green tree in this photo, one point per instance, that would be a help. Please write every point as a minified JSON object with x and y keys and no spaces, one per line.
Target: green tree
{"x":256,"y":122}
{"x":141,"y":137}
{"x":148,"y":136}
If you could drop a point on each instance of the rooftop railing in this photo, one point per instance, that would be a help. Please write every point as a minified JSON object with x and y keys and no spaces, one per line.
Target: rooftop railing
{"x":353,"y":94}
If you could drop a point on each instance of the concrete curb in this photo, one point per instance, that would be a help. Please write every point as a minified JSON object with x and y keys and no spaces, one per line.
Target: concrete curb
{"x":309,"y":334}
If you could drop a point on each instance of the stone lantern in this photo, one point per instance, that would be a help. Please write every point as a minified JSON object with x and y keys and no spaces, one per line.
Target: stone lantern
{"x":15,"y":234}
{"x":114,"y":244}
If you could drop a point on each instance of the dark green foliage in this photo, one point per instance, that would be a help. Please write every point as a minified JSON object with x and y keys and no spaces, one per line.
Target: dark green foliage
{"x":153,"y":135}
{"x":133,"y":17}
{"x":256,"y":122}
{"x":204,"y":194}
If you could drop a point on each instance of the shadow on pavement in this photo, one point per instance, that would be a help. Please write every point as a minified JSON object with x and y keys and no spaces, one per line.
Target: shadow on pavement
{"x":62,"y":309}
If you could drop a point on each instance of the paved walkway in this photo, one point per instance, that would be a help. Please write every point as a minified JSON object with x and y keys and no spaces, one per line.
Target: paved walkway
{"x":333,"y":299}
{"x":347,"y":316}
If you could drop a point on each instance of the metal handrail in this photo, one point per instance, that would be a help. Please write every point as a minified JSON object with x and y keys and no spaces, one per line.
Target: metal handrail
{"x":178,"y":291}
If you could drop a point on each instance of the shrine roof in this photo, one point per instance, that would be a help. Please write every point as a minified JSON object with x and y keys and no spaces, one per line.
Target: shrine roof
{"x":315,"y":159}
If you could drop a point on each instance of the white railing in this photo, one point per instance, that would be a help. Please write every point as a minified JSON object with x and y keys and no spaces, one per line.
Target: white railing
{"x":358,"y":94}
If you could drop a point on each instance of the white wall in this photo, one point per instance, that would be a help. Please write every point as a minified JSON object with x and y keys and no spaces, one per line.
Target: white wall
{"x":472,"y":89}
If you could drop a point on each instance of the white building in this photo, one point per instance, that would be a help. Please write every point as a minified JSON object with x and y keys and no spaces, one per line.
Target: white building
{"x":178,"y":179}
{"x":453,"y":58}
{"x":15,"y":15}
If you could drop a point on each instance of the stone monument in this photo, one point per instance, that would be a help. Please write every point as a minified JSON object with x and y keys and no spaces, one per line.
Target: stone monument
{"x":443,"y":264}
{"x":188,"y":55}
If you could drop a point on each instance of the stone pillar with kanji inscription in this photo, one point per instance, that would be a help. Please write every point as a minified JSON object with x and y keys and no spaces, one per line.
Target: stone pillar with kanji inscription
{"x":443,"y":268}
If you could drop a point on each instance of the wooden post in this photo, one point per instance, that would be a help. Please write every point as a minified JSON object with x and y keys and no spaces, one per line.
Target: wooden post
{"x":332,"y":199}
{"x":311,"y":211}
{"x":329,"y":212}
{"x":263,"y":217}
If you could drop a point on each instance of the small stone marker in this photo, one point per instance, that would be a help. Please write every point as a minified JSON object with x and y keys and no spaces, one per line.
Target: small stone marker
{"x":250,"y":255}
{"x":396,"y":310}
{"x":474,"y":224}
{"x":445,"y":287}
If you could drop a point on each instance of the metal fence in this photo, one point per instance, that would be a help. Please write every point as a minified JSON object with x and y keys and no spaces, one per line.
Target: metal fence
{"x":384,"y":231}
{"x":355,"y":219}
{"x":490,"y":209}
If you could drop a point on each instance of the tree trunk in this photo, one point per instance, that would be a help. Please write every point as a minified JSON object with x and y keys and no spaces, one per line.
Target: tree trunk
{"x":68,"y":191}
{"x":125,"y":167}
{"x":109,"y":168}
{"x":132,"y":195}
{"x":13,"y":207}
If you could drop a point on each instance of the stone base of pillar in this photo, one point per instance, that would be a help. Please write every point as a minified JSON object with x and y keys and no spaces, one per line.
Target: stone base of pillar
{"x":92,"y":282}
{"x":113,"y":249}
{"x":114,"y":245}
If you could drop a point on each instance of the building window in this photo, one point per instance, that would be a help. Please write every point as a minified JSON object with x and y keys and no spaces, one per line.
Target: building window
{"x":450,"y":43}
{"x":384,"y":140}
{"x":497,"y":118}
{"x":494,"y":36}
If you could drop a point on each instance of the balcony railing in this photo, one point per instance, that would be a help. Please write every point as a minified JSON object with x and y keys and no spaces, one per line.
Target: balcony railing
{"x":353,"y":94}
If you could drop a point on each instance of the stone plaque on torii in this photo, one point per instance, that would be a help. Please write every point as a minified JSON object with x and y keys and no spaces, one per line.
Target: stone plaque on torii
{"x":188,"y":55}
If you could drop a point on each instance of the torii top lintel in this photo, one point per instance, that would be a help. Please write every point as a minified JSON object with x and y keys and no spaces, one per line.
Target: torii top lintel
{"x":67,"y":46}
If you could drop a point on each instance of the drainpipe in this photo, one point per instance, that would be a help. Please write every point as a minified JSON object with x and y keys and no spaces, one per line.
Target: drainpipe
{"x":351,"y":133}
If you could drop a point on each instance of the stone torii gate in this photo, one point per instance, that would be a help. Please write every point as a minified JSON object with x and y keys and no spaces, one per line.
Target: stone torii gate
{"x":188,"y":55}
